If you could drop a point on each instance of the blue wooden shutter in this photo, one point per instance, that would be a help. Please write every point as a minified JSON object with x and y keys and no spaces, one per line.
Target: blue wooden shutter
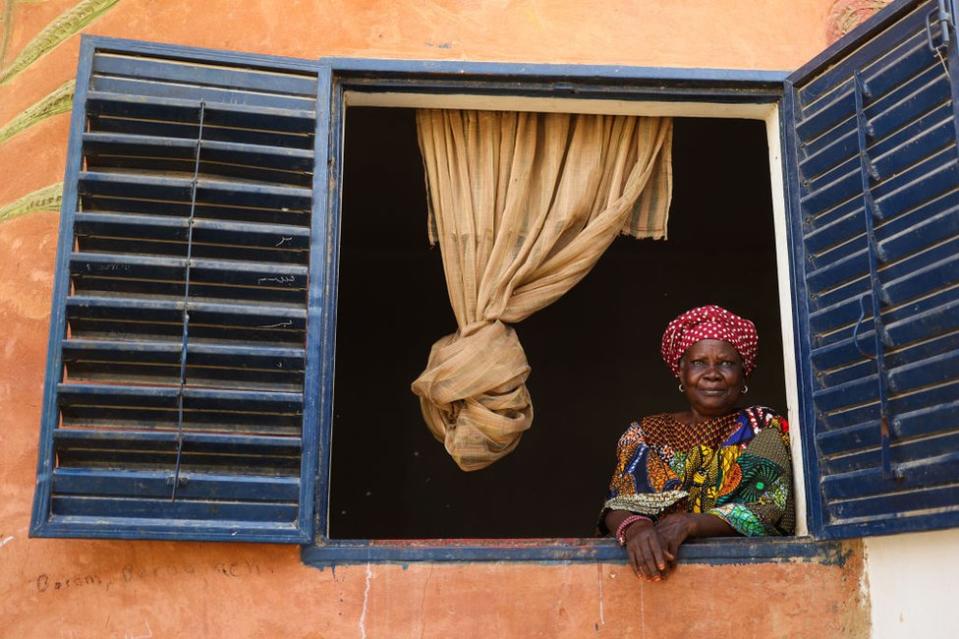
{"x":873,"y":176}
{"x":175,"y":403}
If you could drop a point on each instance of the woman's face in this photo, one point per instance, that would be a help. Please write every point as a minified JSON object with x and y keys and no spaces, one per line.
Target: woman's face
{"x":712,"y":372}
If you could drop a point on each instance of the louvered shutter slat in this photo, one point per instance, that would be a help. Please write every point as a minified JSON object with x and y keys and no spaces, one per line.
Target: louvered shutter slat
{"x":174,"y":117}
{"x":196,"y":82}
{"x":163,"y":235}
{"x":235,"y":80}
{"x":156,"y":484}
{"x":254,"y":162}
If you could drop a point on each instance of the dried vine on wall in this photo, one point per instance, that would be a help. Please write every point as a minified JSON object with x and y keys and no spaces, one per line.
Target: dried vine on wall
{"x":67,"y":24}
{"x":48,"y":198}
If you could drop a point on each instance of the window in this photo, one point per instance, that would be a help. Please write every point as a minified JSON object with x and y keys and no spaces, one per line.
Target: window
{"x":593,"y":351}
{"x":361,"y":89}
{"x":867,"y":221}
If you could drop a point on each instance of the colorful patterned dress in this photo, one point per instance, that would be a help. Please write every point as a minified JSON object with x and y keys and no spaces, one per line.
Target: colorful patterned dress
{"x":735,"y":467}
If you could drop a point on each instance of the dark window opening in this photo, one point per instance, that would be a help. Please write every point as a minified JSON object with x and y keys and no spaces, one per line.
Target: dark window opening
{"x":594,"y":353}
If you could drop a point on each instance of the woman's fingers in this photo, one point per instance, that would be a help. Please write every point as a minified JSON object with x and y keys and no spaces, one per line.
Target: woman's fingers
{"x":649,"y":563}
{"x":635,"y":559}
{"x":650,"y":556}
{"x":638,"y":549}
{"x":659,"y":555}
{"x":672,"y":547}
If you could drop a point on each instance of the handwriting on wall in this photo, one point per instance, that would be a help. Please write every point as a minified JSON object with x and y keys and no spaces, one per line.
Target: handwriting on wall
{"x":132,"y":574}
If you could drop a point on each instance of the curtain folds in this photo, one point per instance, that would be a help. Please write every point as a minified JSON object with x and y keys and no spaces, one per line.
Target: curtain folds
{"x":522,"y":206}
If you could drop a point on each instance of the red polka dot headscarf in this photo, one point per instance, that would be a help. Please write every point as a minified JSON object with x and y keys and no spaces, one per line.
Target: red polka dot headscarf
{"x":709,"y":322}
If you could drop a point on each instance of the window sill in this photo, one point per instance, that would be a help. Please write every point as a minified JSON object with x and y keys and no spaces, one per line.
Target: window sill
{"x":737,"y":550}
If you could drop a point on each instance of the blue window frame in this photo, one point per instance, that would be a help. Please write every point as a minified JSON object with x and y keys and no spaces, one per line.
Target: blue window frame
{"x":871,"y":171}
{"x":360,"y":76}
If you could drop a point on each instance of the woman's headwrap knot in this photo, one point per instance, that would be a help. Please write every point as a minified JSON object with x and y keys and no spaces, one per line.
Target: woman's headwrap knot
{"x":709,"y":322}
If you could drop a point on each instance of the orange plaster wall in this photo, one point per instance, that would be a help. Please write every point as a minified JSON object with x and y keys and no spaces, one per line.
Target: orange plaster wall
{"x":74,"y":589}
{"x":744,"y":34}
{"x":34,"y":159}
{"x":775,"y":34}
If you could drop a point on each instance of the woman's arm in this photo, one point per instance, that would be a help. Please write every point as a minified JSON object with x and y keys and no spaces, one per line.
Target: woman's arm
{"x":695,"y":525}
{"x":613,"y":518}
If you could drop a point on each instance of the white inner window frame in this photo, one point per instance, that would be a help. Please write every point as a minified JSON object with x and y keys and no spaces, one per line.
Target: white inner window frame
{"x":767,"y":112}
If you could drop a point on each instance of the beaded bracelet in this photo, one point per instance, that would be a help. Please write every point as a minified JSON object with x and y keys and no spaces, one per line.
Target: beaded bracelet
{"x":626,"y":523}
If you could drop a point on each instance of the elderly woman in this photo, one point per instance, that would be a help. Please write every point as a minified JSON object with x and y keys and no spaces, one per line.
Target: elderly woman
{"x":711,"y":471}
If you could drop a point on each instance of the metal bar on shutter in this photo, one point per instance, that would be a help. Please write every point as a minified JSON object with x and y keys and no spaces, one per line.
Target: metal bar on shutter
{"x":951,"y":61}
{"x":945,"y":19}
{"x":185,"y":341}
{"x":868,"y":174}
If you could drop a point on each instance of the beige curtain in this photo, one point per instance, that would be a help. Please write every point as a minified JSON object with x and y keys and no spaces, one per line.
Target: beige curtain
{"x":522,"y":205}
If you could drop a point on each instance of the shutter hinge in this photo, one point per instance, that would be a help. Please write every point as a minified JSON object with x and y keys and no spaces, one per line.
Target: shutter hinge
{"x":947,"y":22}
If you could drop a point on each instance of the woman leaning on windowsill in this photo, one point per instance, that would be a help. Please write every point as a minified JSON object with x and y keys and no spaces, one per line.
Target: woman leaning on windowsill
{"x":711,"y":471}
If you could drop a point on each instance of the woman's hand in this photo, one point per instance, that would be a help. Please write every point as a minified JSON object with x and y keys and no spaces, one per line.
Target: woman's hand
{"x":651,"y":554}
{"x":673,"y":530}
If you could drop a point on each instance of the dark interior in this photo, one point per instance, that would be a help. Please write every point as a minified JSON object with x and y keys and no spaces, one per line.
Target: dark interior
{"x":391,"y":479}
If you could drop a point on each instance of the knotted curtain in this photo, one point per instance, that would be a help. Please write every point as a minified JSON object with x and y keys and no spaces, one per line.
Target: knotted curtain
{"x":522,"y":206}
